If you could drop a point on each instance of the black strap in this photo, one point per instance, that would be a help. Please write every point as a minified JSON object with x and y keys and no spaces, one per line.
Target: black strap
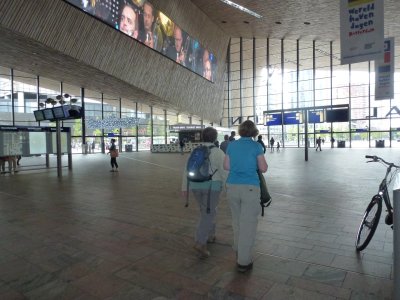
{"x":209,"y":198}
{"x":187,"y":193}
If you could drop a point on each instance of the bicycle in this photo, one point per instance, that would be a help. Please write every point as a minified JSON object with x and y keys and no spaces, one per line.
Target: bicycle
{"x":373,"y":212}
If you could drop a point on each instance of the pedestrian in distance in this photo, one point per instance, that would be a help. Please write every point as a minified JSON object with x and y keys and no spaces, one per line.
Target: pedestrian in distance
{"x":271,"y":143}
{"x":259,"y":140}
{"x":113,"y":151}
{"x":318,"y":142}
{"x":182,"y":145}
{"x":232,"y":137}
{"x":224,"y":145}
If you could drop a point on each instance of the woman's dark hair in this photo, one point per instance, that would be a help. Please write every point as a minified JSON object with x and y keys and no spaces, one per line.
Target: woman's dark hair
{"x":210,"y":134}
{"x":248,"y":129}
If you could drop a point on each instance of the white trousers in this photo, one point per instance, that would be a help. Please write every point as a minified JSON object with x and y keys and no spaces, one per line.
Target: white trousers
{"x":244,"y":201}
{"x":206,"y":226}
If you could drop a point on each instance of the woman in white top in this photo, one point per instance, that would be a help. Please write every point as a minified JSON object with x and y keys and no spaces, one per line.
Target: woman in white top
{"x":205,"y":232}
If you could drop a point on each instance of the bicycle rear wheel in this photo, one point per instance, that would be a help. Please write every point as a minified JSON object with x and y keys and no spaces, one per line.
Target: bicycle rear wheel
{"x":369,"y":223}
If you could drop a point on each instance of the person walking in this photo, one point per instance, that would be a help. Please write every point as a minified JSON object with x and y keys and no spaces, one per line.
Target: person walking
{"x":224,"y":145}
{"x":205,"y":232}
{"x":271,"y":143}
{"x":182,"y":145}
{"x":243,"y":158}
{"x":232,"y":137}
{"x":259,"y":140}
{"x":113,"y":151}
{"x":318,"y":144}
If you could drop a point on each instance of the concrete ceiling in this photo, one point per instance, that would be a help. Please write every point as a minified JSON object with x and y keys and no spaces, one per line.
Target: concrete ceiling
{"x":323,"y":16}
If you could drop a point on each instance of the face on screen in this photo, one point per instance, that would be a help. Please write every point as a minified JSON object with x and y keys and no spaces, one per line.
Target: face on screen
{"x":207,"y":69}
{"x":140,"y":20}
{"x":178,"y":38}
{"x":148,"y":17}
{"x":128,"y":21}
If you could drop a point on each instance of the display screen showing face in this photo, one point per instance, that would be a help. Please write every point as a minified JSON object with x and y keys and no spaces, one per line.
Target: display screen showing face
{"x":140,"y":20}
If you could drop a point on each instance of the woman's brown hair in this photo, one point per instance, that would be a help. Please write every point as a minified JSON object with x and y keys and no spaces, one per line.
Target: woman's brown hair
{"x":248,"y":129}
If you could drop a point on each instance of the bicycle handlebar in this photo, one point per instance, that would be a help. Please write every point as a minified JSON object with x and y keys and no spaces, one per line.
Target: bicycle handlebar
{"x":376,"y":159}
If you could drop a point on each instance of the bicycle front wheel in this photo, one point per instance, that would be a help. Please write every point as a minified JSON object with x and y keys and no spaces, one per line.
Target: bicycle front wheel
{"x":369,"y":223}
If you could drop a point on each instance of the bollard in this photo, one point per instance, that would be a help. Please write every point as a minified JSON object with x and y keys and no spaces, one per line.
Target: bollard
{"x":396,"y":243}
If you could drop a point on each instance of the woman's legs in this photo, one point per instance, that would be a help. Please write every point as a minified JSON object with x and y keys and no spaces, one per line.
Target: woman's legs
{"x":114,"y":163}
{"x":244,"y":201}
{"x":206,"y":226}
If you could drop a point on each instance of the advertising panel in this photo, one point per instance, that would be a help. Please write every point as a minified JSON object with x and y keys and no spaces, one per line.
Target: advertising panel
{"x":141,"y":21}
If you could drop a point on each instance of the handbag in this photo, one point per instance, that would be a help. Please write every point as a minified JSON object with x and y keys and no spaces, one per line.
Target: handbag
{"x":114,"y":153}
{"x":265,"y":197}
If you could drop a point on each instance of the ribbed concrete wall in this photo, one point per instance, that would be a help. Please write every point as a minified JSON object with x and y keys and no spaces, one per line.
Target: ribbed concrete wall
{"x":59,"y":26}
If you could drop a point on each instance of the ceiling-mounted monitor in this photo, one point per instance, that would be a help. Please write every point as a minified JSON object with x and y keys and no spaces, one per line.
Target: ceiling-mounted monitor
{"x":337,"y":115}
{"x":48,"y":114}
{"x":39,"y":116}
{"x":60,"y":112}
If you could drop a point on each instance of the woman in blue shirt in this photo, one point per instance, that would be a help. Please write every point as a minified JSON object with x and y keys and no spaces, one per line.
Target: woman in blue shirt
{"x":243,"y":158}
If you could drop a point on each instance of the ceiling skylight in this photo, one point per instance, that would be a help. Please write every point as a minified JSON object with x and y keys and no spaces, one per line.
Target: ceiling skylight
{"x":244,"y":9}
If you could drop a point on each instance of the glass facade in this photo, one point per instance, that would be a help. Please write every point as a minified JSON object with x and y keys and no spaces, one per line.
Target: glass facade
{"x":262,"y":75}
{"x":21,"y":93}
{"x":273,"y":74}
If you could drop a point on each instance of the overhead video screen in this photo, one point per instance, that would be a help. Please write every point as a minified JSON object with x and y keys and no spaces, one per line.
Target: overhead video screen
{"x":48,"y":114}
{"x":58,"y":112}
{"x":337,"y":115}
{"x":39,"y":116}
{"x":140,"y":20}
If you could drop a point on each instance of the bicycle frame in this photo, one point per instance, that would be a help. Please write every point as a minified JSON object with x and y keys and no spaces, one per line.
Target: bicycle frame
{"x":384,"y":193}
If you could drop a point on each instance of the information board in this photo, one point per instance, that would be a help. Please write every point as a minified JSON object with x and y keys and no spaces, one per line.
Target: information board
{"x":273,"y":119}
{"x":315,"y":116}
{"x":292,"y":118}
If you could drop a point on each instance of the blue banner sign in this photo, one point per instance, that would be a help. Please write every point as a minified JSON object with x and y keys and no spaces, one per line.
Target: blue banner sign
{"x":315,"y":116}
{"x":273,"y":119}
{"x":361,"y":130}
{"x":291,"y":118}
{"x":324,"y":131}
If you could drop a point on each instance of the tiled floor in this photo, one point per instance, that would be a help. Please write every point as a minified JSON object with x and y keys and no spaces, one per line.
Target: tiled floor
{"x":100,"y":235}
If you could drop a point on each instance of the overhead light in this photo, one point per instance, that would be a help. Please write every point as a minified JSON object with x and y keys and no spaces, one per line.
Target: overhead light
{"x":244,"y":9}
